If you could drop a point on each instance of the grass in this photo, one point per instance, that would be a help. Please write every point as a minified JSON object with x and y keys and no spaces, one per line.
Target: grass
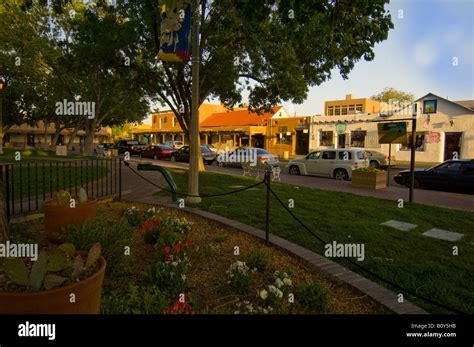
{"x":423,"y":265}
{"x":35,"y":155}
{"x":39,"y":178}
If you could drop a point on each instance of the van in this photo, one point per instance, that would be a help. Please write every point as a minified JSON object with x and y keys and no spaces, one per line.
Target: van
{"x":336,"y":163}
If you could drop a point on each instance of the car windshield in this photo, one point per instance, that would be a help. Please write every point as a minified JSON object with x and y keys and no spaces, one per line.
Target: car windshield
{"x":449,"y":167}
{"x":204,"y":149}
{"x":165,"y":147}
{"x":261,"y":151}
{"x":132,"y":142}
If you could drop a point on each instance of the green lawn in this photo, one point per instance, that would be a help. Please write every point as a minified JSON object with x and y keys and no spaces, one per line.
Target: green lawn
{"x":38,"y":177}
{"x":421,"y":264}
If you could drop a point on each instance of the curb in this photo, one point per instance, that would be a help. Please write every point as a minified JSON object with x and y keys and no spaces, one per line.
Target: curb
{"x":379,"y":295}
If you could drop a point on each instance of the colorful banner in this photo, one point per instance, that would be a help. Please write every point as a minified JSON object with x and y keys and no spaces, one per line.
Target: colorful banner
{"x":175,"y":39}
{"x":393,"y":132}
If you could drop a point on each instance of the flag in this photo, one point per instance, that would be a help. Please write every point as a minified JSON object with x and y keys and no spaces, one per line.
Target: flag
{"x":175,"y":41}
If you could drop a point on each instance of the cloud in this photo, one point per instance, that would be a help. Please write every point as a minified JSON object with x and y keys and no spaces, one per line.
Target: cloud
{"x":425,"y":53}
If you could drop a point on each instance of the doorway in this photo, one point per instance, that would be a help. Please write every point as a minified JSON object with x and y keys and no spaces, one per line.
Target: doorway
{"x":341,"y":141}
{"x":452,"y":146}
{"x":302,"y":141}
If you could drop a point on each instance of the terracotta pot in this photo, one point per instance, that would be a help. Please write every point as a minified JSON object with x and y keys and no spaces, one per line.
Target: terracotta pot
{"x":57,"y":217}
{"x":57,"y":301}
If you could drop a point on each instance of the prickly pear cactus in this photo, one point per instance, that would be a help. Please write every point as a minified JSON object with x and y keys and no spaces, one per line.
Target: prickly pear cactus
{"x":82,"y":195}
{"x":16,"y":271}
{"x":38,"y":271}
{"x":64,"y":197}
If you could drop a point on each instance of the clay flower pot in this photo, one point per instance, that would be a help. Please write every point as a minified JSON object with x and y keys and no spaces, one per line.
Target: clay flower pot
{"x":58,"y":300}
{"x":58,"y":217}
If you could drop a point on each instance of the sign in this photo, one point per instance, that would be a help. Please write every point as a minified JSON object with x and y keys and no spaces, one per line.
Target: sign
{"x":341,"y":127}
{"x":430,"y":106}
{"x":433,"y":138}
{"x":175,"y":41}
{"x":392,"y":132}
{"x":301,"y":126}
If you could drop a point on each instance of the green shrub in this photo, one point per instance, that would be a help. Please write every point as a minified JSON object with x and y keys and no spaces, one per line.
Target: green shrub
{"x":139,"y":300}
{"x":258,"y":259}
{"x":314,"y":296}
{"x":170,"y":277}
{"x":134,"y":216}
{"x":114,"y":236}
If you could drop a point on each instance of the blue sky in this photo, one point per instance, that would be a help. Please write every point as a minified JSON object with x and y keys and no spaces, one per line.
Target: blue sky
{"x":417,"y":57}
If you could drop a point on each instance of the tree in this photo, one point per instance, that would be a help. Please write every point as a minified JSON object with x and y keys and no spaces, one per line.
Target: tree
{"x":391,"y":95}
{"x":275,"y":50}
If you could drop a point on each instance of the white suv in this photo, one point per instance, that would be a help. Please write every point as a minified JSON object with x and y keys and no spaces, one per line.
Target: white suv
{"x":337,"y":163}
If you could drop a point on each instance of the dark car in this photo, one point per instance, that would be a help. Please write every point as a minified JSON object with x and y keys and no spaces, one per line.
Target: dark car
{"x":182,"y":155}
{"x":132,"y":146}
{"x":157,"y":152}
{"x":452,"y":175}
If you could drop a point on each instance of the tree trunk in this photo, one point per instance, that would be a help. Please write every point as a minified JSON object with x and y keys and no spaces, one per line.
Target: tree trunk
{"x":45,"y":136}
{"x":72,"y":137}
{"x":89,"y":140}
{"x":57,"y":132}
{"x":3,"y":219}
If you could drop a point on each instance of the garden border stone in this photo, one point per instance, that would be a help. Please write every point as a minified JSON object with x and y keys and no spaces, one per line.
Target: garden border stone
{"x":380,"y":296}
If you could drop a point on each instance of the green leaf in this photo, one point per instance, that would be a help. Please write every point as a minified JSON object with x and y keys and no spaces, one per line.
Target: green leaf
{"x":52,"y":281}
{"x":57,"y":261}
{"x":94,"y":254}
{"x":16,"y":271}
{"x":38,"y":271}
{"x":68,"y":248}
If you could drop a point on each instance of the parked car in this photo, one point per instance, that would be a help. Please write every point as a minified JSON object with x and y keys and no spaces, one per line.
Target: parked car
{"x":452,"y":175}
{"x":102,"y":148}
{"x":212,"y":148}
{"x":236,"y":157}
{"x":131,"y":146}
{"x":157,"y":152}
{"x":378,"y":160}
{"x":182,"y":155}
{"x":174,"y":144}
{"x":336,"y":163}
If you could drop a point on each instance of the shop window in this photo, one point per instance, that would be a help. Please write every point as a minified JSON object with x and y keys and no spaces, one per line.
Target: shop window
{"x":358,"y":138}
{"x":284,"y":139}
{"x":344,"y":110}
{"x":330,"y":111}
{"x":326,"y":138}
{"x":351,"y":109}
{"x":337,"y":110}
{"x":419,"y":143}
{"x":359,"y":107}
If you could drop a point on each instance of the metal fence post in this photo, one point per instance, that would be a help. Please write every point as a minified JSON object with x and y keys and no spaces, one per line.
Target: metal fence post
{"x":120,"y":179}
{"x":267,"y":212}
{"x":7,"y":190}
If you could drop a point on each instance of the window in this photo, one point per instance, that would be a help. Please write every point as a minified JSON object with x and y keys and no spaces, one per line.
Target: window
{"x":450,"y":167}
{"x":351,"y":109}
{"x":359,"y":107}
{"x":345,"y":155}
{"x":30,"y":140}
{"x":344,"y":110}
{"x":419,"y":142}
{"x":165,"y":120}
{"x":282,"y":129}
{"x":284,"y":139}
{"x":337,"y":110}
{"x":330,"y":111}
{"x":325,"y":138}
{"x":314,"y":155}
{"x":329,"y":155}
{"x":468,"y":169}
{"x":358,"y":138}
{"x":6,"y":138}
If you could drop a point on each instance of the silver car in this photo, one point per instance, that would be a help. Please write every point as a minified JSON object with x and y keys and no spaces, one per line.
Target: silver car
{"x":252,"y":155}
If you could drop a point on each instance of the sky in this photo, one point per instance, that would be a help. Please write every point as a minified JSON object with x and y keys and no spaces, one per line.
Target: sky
{"x":417,"y":57}
{"x":430,"y":49}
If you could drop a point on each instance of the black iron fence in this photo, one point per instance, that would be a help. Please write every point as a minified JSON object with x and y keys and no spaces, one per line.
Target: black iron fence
{"x":27,"y":185}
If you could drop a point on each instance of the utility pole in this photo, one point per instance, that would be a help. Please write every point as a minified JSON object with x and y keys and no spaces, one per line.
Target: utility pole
{"x":193,"y":183}
{"x":413,"y":151}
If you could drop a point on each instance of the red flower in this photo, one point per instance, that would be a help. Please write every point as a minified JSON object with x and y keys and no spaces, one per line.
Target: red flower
{"x":186,"y":241}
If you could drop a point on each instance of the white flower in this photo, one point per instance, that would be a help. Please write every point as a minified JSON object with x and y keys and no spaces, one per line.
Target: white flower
{"x":175,"y":263}
{"x":279,"y":283}
{"x":287,"y":282}
{"x":265,"y":311}
{"x":183,"y":277}
{"x":263,"y":294}
{"x":279,"y":293}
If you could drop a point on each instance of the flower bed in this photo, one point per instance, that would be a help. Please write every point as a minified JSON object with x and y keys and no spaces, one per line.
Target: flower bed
{"x":182,"y":264}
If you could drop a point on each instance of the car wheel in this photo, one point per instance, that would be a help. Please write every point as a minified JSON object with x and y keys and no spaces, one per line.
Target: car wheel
{"x":173,"y":159}
{"x":341,"y":175}
{"x":220,"y":163}
{"x":374,"y":164}
{"x":294,"y":170}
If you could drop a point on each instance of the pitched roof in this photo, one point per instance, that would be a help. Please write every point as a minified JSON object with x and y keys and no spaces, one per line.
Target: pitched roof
{"x":238,"y":117}
{"x":457,"y":103}
{"x":466,"y":103}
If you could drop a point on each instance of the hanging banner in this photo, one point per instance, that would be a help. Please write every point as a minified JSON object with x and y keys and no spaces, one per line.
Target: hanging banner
{"x":175,"y":41}
{"x":393,"y":132}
